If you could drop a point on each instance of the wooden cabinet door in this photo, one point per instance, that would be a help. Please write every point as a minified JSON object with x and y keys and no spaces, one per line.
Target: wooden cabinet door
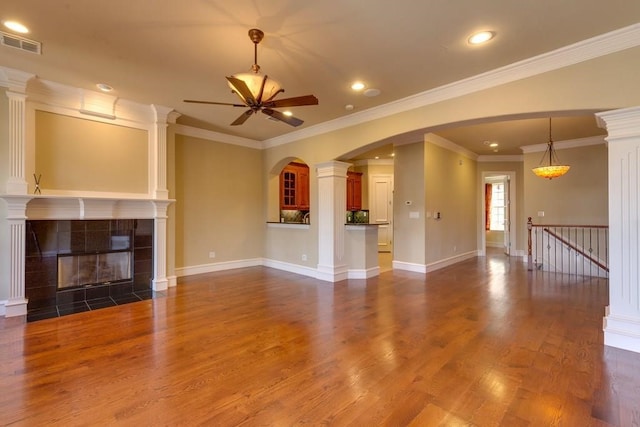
{"x":288,"y":184}
{"x":303,"y":188}
{"x":294,"y":187}
{"x":354,"y":191}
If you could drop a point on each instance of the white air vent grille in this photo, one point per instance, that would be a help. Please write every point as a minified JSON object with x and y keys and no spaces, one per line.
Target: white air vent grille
{"x":21,"y":43}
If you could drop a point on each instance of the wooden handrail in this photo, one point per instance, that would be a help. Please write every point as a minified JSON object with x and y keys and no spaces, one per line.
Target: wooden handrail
{"x":575,"y":248}
{"x":569,"y":226}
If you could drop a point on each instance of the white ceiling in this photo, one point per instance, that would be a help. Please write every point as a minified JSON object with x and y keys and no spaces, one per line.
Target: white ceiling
{"x":164,"y":52}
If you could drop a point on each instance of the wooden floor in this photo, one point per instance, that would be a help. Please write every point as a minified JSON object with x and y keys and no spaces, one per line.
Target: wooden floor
{"x":481,"y":343}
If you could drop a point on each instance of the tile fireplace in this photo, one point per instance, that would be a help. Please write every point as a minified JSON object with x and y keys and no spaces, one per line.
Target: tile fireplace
{"x":78,"y":265}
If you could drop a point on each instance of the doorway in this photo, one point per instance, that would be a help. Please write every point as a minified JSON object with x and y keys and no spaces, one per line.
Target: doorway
{"x":381,"y":209}
{"x":498,"y":211}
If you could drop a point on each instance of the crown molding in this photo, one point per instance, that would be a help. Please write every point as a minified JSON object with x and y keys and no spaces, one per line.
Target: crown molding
{"x":210,"y":135}
{"x":605,"y":44}
{"x":451,"y":146}
{"x":374,"y":162}
{"x":564,"y":145}
{"x":500,"y":158}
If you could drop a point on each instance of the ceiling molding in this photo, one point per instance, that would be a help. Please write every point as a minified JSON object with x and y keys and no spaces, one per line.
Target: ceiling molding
{"x":451,"y":146}
{"x":500,"y":158}
{"x":374,"y":162}
{"x":605,"y":44}
{"x":210,"y":135}
{"x":563,"y":145}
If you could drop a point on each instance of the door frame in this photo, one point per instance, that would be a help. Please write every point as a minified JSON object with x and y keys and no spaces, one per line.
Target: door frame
{"x":511,"y":176}
{"x":371,"y":178}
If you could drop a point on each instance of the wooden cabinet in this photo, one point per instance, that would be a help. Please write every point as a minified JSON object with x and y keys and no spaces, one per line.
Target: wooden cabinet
{"x":294,"y":187}
{"x":354,"y":191}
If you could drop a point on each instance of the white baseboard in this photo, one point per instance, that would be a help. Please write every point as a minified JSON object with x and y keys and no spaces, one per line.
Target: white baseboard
{"x":422,"y":268}
{"x":409,"y":266}
{"x":450,"y":261}
{"x":291,"y":268}
{"x":218,"y":266}
{"x":333,"y":276}
{"x":3,"y":308}
{"x":363,"y":273}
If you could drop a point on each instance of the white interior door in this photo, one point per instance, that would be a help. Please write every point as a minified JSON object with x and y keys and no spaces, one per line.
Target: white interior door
{"x":507,"y":217}
{"x":381,"y":209}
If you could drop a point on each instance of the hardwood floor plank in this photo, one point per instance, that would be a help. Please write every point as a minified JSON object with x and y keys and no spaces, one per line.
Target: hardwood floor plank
{"x":483,"y":343}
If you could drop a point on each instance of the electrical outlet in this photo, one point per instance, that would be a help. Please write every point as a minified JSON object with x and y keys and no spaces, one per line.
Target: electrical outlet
{"x":212,"y":254}
{"x":304,"y":257}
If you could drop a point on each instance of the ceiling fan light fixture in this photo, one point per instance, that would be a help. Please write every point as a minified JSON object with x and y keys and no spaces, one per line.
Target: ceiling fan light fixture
{"x":254,"y":82}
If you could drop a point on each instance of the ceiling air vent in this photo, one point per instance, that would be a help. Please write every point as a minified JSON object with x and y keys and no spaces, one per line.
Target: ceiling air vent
{"x":21,"y":43}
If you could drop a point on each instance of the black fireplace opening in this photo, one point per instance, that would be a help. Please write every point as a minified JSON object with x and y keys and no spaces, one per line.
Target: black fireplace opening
{"x":80,"y":265}
{"x":93,"y":269}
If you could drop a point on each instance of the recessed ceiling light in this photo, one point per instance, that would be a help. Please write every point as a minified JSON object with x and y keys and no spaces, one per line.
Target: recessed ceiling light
{"x":481,"y":37}
{"x":493,"y":145}
{"x":348,"y":107}
{"x":357,"y":86}
{"x":16,"y":26}
{"x":287,"y":113}
{"x":104,"y":87}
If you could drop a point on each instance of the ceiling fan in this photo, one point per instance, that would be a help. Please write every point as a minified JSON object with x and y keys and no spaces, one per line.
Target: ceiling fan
{"x":257,"y":91}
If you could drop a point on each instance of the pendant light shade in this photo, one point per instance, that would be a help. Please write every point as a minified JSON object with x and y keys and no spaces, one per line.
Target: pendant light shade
{"x":553,"y":169}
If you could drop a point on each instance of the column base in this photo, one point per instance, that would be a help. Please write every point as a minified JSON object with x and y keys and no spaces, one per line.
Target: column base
{"x":622,"y":332}
{"x":333,"y":274}
{"x":16,"y":307}
{"x":160,"y":284}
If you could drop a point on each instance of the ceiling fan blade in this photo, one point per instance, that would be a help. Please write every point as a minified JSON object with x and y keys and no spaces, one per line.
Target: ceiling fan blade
{"x":243,"y":118}
{"x":297,"y":101}
{"x":242,"y":90}
{"x":293,"y":121}
{"x":195,"y":101}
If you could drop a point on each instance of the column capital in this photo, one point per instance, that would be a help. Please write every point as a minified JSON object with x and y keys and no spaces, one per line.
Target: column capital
{"x":332,"y":168}
{"x":622,"y":123}
{"x":164,"y":115}
{"x":15,"y":80}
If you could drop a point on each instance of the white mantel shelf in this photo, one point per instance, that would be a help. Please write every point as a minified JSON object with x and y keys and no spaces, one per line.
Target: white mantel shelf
{"x":88,"y":207}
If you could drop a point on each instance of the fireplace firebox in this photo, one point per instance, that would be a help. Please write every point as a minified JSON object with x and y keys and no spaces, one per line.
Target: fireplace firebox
{"x":79,"y":265}
{"x":93,"y":269}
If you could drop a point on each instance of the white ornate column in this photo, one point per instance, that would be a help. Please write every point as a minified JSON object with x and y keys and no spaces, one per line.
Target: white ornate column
{"x":16,"y":304}
{"x":160,"y":280}
{"x":332,"y":206}
{"x":158,"y":154}
{"x":622,"y":320}
{"x":17,"y":83}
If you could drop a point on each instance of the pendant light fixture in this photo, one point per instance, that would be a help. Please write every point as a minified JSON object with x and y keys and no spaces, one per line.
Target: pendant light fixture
{"x":554,"y":169}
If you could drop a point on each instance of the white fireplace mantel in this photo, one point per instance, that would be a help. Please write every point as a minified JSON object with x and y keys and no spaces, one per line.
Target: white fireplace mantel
{"x":39,"y":207}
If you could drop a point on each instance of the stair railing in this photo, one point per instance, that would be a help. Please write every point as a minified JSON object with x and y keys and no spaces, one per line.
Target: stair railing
{"x":570,"y":249}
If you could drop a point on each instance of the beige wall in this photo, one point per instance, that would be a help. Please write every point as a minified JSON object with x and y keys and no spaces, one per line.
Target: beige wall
{"x":85,"y":155}
{"x":218,"y":191}
{"x":409,"y":186}
{"x":579,"y":197}
{"x":451,"y":190}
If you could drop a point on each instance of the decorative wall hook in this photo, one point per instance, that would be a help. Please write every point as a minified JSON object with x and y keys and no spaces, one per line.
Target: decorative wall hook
{"x":37,"y":179}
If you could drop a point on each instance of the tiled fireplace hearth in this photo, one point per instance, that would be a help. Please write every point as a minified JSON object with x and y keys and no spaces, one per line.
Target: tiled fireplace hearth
{"x":80,"y":265}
